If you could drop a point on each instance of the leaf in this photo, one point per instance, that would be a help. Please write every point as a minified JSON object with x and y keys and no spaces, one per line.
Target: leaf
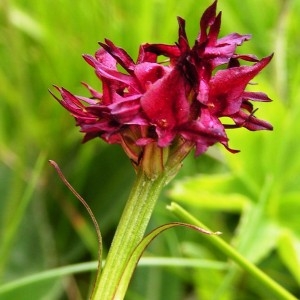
{"x":257,"y":233}
{"x":288,"y":211}
{"x":259,"y":240}
{"x":289,"y":252}
{"x":212,"y":192}
{"x":265,"y":281}
{"x":18,"y":286}
{"x":44,"y":290}
{"x":14,"y":221}
{"x":138,"y":251}
{"x":38,"y":279}
{"x":86,"y":206}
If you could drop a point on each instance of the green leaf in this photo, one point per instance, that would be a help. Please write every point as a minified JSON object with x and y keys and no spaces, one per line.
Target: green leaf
{"x":258,"y":240}
{"x":288,"y":212}
{"x":214,"y":192}
{"x":45,"y":290}
{"x":46,"y":278}
{"x":39,"y":284}
{"x":138,"y":251}
{"x":289,"y":251}
{"x":265,"y":281}
{"x":257,"y":234}
{"x":15,"y":218}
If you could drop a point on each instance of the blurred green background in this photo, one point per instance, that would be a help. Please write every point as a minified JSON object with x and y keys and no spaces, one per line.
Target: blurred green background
{"x":252,"y":197}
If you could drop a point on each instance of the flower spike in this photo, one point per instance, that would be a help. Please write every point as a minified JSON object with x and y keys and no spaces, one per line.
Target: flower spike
{"x":179,"y":103}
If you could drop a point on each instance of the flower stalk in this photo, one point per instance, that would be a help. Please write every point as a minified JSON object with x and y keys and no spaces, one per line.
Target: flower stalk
{"x":129,"y":233}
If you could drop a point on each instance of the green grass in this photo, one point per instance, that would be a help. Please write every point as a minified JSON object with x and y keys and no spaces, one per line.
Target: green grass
{"x":42,"y":226}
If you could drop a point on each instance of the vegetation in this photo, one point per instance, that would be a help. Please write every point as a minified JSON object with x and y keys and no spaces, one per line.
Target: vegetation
{"x":252,"y":197}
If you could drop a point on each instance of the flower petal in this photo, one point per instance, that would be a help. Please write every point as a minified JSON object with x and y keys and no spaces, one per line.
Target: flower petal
{"x":128,"y":110}
{"x":149,"y":73}
{"x":227,"y":87}
{"x":250,"y":122}
{"x":207,"y":20}
{"x":256,"y":96}
{"x":165,"y":103}
{"x":204,"y":132}
{"x":119,"y":54}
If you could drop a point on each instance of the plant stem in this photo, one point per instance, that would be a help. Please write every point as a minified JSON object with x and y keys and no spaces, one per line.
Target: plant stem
{"x":129,"y":233}
{"x":277,"y":290}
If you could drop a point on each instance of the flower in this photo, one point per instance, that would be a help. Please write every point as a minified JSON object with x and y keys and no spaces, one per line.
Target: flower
{"x":177,"y":104}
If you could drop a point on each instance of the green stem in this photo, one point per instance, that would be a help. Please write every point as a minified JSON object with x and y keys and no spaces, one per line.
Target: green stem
{"x":277,"y":290}
{"x":129,"y":233}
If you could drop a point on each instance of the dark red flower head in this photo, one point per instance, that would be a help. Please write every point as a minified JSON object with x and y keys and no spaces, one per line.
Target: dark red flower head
{"x":179,"y":102}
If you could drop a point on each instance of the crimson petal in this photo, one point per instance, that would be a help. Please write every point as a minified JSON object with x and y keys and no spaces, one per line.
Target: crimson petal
{"x":165,"y":104}
{"x":227,"y":86}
